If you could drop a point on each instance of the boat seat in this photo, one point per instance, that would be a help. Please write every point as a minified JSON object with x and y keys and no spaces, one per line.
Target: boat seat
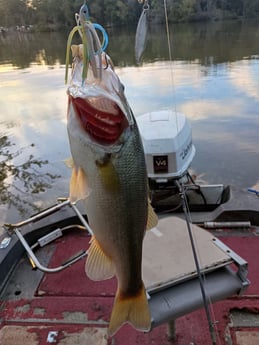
{"x":170,"y":273}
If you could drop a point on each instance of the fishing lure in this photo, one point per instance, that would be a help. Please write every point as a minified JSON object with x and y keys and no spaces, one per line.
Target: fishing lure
{"x":142,"y":33}
{"x":92,"y":47}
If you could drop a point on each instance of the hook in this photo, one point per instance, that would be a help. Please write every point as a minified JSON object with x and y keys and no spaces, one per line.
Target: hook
{"x":146,"y":5}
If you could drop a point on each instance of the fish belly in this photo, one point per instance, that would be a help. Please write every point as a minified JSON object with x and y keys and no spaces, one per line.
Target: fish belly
{"x":117,"y":205}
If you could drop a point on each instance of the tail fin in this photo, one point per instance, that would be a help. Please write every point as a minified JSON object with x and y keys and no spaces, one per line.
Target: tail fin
{"x":132,"y":309}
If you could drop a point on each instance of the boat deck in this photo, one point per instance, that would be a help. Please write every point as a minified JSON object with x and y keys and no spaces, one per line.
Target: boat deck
{"x":67,"y":308}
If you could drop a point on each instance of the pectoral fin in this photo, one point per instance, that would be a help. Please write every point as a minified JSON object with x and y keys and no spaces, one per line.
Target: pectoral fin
{"x":78,"y":185}
{"x":152,"y":217}
{"x":108,"y":174}
{"x":98,"y":265}
{"x":69,"y":162}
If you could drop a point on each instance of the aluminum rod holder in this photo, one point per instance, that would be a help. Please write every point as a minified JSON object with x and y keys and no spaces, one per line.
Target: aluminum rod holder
{"x":11,"y":227}
{"x":14,"y":228}
{"x":36,"y":262}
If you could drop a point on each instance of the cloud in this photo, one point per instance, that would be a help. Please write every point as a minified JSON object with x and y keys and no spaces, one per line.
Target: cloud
{"x":33,"y":110}
{"x":202,"y":109}
{"x":244,"y":77}
{"x":156,"y":86}
{"x":162,"y":76}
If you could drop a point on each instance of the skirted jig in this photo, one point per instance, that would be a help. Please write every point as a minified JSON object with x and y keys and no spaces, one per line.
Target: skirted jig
{"x":92,"y":47}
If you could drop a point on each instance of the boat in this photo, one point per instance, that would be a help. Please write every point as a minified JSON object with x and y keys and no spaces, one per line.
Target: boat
{"x":199,"y":263}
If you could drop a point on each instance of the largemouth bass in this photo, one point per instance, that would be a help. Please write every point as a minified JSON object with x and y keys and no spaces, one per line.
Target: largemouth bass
{"x":110,"y":172}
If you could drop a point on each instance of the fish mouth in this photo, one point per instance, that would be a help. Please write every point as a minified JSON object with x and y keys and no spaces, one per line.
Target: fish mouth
{"x":101,"y":118}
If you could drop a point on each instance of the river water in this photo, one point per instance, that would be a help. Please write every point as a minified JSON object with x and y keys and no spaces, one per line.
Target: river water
{"x":213,"y":79}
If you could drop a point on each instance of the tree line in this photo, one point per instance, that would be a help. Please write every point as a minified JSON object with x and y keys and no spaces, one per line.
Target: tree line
{"x":54,"y":14}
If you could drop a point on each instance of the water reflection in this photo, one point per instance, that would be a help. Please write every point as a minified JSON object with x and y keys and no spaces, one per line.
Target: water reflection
{"x":205,"y":43}
{"x":20,"y":176}
{"x":21,"y":49}
{"x":216,"y":43}
{"x":245,"y":79}
{"x":213,"y":79}
{"x":33,"y":115}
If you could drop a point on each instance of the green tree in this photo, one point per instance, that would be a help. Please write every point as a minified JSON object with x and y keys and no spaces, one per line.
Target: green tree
{"x":182,"y":10}
{"x":251,"y":8}
{"x":14,"y":12}
{"x":158,"y":12}
{"x":52,"y":14}
{"x":115,"y":12}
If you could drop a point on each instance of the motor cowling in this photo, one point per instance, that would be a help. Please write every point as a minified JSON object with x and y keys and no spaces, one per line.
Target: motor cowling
{"x":167,"y":141}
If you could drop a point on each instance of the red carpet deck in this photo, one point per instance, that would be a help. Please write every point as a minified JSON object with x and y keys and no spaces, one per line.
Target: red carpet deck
{"x":73,"y":306}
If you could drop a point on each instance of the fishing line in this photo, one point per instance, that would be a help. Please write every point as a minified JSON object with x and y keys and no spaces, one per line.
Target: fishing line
{"x":167,"y":31}
{"x":201,"y":275}
{"x":171,"y":62}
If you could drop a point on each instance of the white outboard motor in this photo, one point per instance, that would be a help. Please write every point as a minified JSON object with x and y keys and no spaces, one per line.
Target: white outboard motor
{"x":167,"y":141}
